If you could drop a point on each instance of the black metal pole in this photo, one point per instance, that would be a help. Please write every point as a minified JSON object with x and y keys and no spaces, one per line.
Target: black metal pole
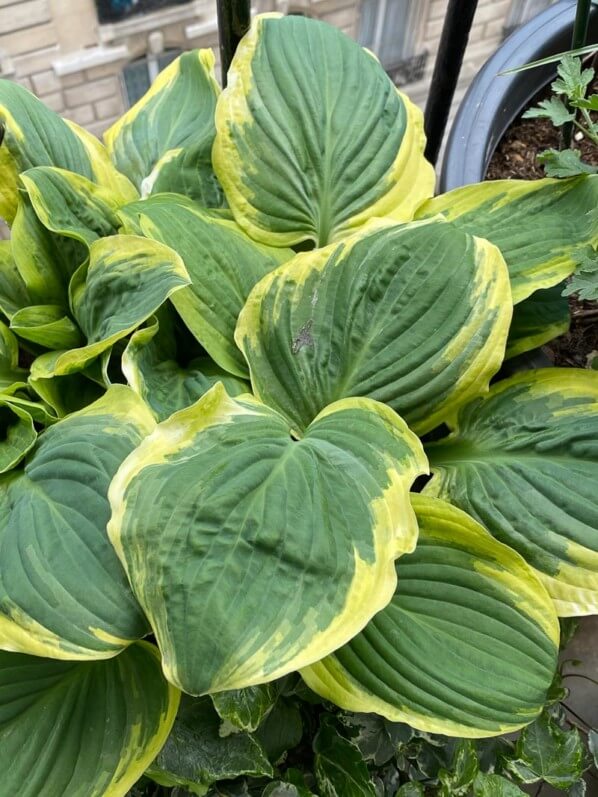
{"x":455,"y":34}
{"x":234,"y":18}
{"x":579,"y":38}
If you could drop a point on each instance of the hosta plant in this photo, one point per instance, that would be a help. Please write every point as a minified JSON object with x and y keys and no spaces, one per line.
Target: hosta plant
{"x":253,"y":425}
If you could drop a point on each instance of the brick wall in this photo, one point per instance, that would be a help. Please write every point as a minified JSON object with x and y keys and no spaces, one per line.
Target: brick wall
{"x":75,"y":65}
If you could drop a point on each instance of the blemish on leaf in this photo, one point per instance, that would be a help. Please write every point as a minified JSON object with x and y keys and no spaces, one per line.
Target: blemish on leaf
{"x":304,"y":338}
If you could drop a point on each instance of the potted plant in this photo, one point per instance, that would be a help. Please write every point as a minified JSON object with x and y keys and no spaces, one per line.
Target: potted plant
{"x":494,"y":100}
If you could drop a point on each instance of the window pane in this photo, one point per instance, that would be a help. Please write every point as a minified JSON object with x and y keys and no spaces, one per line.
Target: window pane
{"x":115,"y":10}
{"x":386,"y":28}
{"x":136,"y":80}
{"x":367,"y":23}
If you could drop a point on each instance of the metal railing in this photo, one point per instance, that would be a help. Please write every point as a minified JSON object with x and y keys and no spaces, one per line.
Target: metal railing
{"x":234,"y":20}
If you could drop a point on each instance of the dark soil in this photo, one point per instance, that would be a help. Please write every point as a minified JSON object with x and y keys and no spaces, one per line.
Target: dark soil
{"x":515,"y":158}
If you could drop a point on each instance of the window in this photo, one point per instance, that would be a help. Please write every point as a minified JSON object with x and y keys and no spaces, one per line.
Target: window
{"x":140,"y":74}
{"x":117,"y":10}
{"x":390,"y":28}
{"x":523,"y":10}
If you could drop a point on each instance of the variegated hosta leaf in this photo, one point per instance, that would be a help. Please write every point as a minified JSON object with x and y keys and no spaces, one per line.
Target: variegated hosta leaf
{"x":540,"y":226}
{"x":82,"y":729}
{"x":524,"y":462}
{"x":36,"y":136}
{"x":71,"y":205}
{"x":67,"y":394}
{"x":12,"y":377}
{"x":412,"y":315}
{"x":468,"y":644}
{"x":222,"y":262}
{"x":303,"y":155}
{"x":541,"y":317}
{"x":151,"y":367}
{"x":17,"y":433}
{"x":252,"y":553}
{"x":13,"y":294}
{"x":63,"y":592}
{"x":164,"y":142}
{"x":126,"y":279}
{"x":41,"y":412}
{"x":17,"y":414}
{"x":48,"y":326}
{"x":45,"y":261}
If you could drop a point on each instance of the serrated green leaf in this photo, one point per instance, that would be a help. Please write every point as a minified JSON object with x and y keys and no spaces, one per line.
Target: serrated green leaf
{"x":572,"y":79}
{"x":585,"y":280}
{"x":553,"y":109}
{"x":589,"y":103}
{"x":564,"y":163}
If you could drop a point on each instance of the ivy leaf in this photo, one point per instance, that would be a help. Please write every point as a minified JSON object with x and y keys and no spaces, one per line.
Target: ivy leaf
{"x":246,"y":708}
{"x":493,"y":753}
{"x":377,"y":738}
{"x":564,"y":163}
{"x":495,"y":786}
{"x":553,"y":109}
{"x":544,"y":751}
{"x":339,"y":768}
{"x":281,"y":730}
{"x":195,"y":755}
{"x":388,"y":780}
{"x":578,"y":789}
{"x":572,"y":80}
{"x":463,"y":769}
{"x":593,"y":745}
{"x":281,"y":789}
{"x":585,"y":280}
{"x":413,"y":789}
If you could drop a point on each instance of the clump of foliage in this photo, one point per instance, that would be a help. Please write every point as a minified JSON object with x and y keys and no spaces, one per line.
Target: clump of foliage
{"x":569,"y":105}
{"x":237,"y":341}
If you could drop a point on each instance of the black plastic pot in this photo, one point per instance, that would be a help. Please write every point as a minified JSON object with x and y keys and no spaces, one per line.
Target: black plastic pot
{"x":493,"y":102}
